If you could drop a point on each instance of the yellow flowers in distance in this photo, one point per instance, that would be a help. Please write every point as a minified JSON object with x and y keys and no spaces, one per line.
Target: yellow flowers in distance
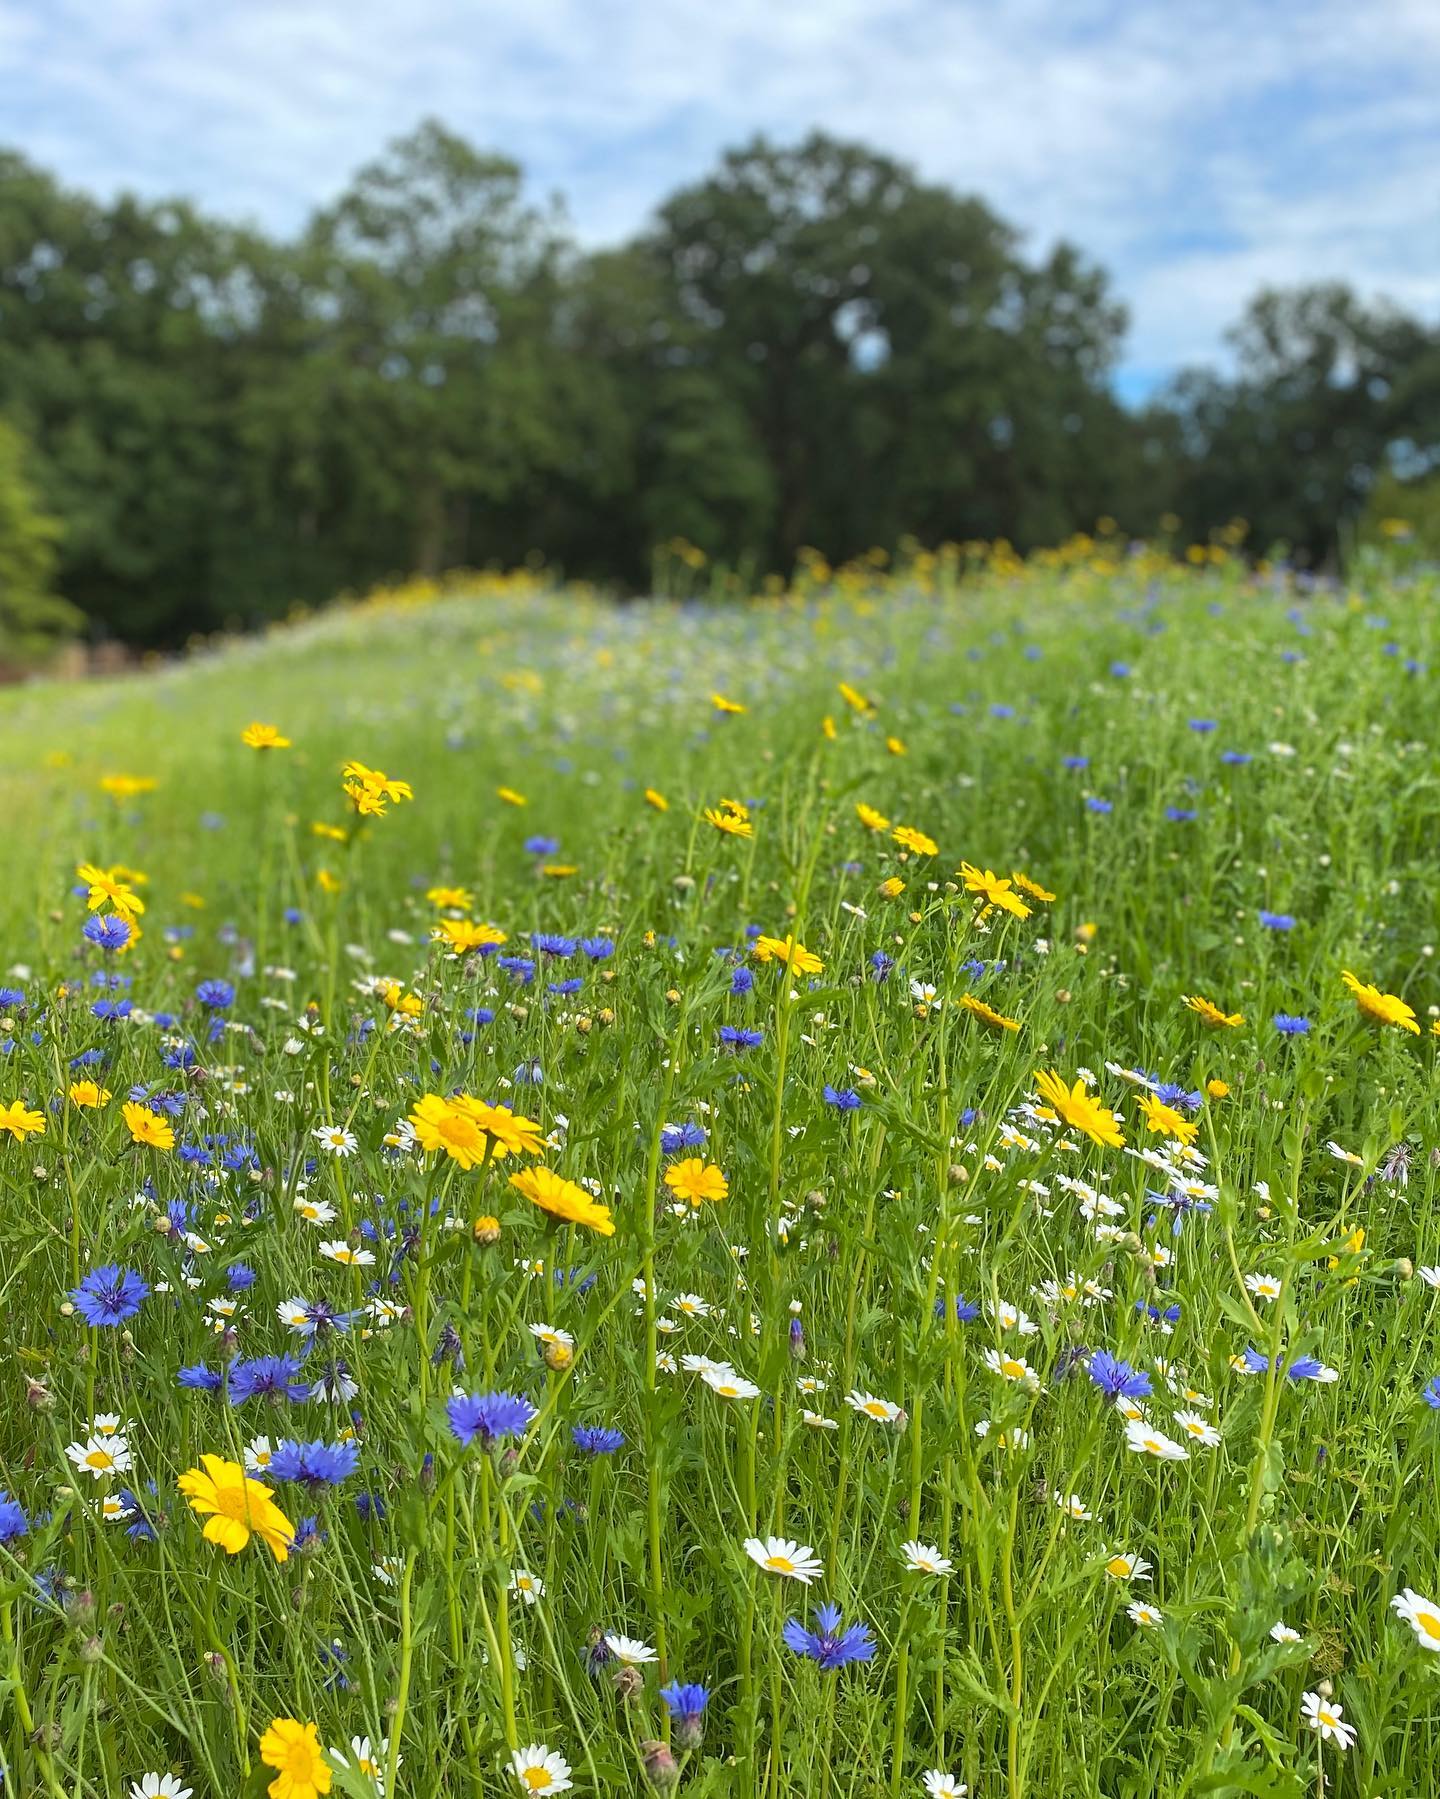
{"x":653,"y":797}
{"x":1211,"y":1013}
{"x":563,"y":1199}
{"x":915,"y":841}
{"x":112,"y":886}
{"x":264,"y":737}
{"x":472,"y":1132}
{"x":127,"y":787}
{"x":464,"y":935}
{"x":870,"y":818}
{"x":721,"y":704}
{"x":731,"y":818}
{"x":1378,"y":1007}
{"x":994,"y":889}
{"x":371,"y":789}
{"x":795,"y":956}
{"x":1076,"y":1108}
{"x":968,"y":1003}
{"x":20,"y":1121}
{"x":692,"y":1179}
{"x":147,"y":1127}
{"x":236,"y":1507}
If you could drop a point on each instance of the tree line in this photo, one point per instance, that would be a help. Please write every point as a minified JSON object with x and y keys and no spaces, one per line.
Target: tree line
{"x":811,"y":346}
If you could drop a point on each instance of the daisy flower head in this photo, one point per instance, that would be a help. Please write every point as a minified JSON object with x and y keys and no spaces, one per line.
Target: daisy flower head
{"x":1146,"y":1616}
{"x":1325,"y":1718}
{"x":925,"y":1558}
{"x":1144,"y":1439}
{"x":630,"y":1652}
{"x":882,"y":1411}
{"x":159,"y":1786}
{"x":334,"y":1139}
{"x":1421,"y":1614}
{"x":785,"y":1557}
{"x":940,"y":1785}
{"x":540,"y":1770}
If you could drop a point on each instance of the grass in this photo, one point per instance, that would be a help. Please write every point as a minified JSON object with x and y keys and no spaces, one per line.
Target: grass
{"x":1177,"y":756}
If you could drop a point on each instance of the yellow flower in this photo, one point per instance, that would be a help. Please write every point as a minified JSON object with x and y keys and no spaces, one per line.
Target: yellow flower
{"x":331,"y":833}
{"x":870,"y":818}
{"x":910,"y":839}
{"x":693,"y":1180}
{"x":510,"y":1134}
{"x":456,"y":897}
{"x":1033,"y":888}
{"x":264,"y":737}
{"x":728,"y":823}
{"x":563,"y":1199}
{"x":827,"y":727}
{"x":896,"y":747}
{"x":327,"y":882}
{"x":795,"y":956}
{"x":891,"y":887}
{"x":558,"y":871}
{"x":1164,"y":1119}
{"x":86,"y":1093}
{"x":463,"y":935}
{"x":127,"y":787}
{"x":1075,"y":1106}
{"x":1211,"y":1013}
{"x":371,"y":789}
{"x":854,"y":699}
{"x":1352,"y":1246}
{"x":107,"y":884}
{"x":721,"y":704}
{"x":409,"y":1005}
{"x":146,"y":1126}
{"x":653,"y":797}
{"x":1382,"y":1008}
{"x":294,"y":1749}
{"x":1217,"y":1089}
{"x":510,"y":797}
{"x":237,"y":1508}
{"x":439,"y":1124}
{"x":20,"y":1121}
{"x":969,"y":1003}
{"x":994,"y":889}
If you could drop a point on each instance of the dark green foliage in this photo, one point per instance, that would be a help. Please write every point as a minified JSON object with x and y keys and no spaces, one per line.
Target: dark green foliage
{"x":810,"y":346}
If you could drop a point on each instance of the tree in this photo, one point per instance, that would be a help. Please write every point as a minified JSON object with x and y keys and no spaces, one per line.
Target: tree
{"x":33,"y":619}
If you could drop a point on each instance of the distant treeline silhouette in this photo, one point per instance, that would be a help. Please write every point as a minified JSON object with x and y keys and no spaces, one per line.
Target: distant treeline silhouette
{"x":812,"y":346}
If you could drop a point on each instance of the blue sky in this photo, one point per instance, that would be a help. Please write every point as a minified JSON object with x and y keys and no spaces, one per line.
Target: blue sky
{"x":1198,"y":148}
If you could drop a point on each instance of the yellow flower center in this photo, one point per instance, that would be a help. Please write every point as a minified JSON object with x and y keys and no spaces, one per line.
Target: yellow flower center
{"x":1118,"y":1565}
{"x":1013,"y":1368}
{"x":99,"y":1458}
{"x":536,"y":1779}
{"x":1430,"y":1624}
{"x":780,"y":1564}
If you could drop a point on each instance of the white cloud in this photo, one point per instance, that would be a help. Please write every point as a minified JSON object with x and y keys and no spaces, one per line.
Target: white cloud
{"x":1197,"y":147}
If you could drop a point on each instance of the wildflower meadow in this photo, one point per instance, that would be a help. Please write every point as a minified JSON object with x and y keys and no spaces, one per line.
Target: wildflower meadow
{"x":834,"y":1196}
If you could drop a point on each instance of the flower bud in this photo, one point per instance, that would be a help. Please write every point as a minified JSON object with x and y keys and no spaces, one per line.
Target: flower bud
{"x":661,"y":1768}
{"x":487,"y":1231}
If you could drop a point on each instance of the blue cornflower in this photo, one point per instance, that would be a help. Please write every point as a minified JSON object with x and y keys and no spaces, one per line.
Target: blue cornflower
{"x":1074,"y":762}
{"x":1236,"y":758}
{"x":675,"y":1137}
{"x":520,"y":966}
{"x":1094,"y":803}
{"x":13,"y":1522}
{"x":529,"y":1074}
{"x":1120,"y":670}
{"x":264,"y":1375}
{"x":998,"y":711}
{"x":573,"y":985}
{"x":1430,"y":1393}
{"x":109,"y":1295}
{"x":293,"y":915}
{"x":1305,"y":1367}
{"x":216,"y":995}
{"x":317,"y":1464}
{"x":112,"y":1011}
{"x":488,"y":1416}
{"x":686,"y":1705}
{"x":844,"y":1099}
{"x":1202,"y":725}
{"x":139,"y":1529}
{"x":1276,"y":921}
{"x":201,"y":1379}
{"x":732,"y":1037}
{"x":109,"y":933}
{"x":1117,"y":1379}
{"x":541,"y":846}
{"x":12,"y":999}
{"x":597,"y":948}
{"x":881,"y":964}
{"x":966,"y":1311}
{"x":595,"y":1439}
{"x":742,"y":981}
{"x":830,"y":1647}
{"x":1181,"y":815}
{"x":1290,"y":1025}
{"x":546,"y":945}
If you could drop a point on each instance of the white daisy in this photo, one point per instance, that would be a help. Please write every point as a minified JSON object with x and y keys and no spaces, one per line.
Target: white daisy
{"x":784,"y":1556}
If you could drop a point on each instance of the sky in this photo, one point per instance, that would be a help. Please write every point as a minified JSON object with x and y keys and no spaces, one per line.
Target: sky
{"x":1197,"y":148}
